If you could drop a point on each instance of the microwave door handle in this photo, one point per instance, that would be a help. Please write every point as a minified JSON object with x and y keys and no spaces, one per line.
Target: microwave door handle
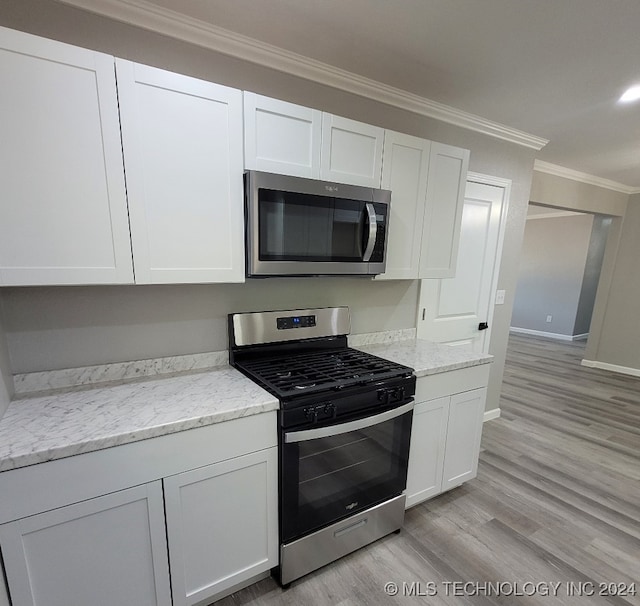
{"x":373,"y":231}
{"x":336,"y":430}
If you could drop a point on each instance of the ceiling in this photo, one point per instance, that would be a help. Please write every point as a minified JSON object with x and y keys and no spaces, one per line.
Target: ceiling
{"x":551,"y":68}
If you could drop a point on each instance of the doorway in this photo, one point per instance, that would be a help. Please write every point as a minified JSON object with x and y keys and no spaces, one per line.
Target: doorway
{"x":560,"y":266}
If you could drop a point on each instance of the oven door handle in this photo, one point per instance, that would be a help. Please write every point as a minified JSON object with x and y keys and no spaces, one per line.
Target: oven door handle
{"x":336,"y":430}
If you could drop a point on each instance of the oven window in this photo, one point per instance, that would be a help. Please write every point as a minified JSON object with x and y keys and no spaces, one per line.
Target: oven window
{"x":295,"y":227}
{"x":326,"y":479}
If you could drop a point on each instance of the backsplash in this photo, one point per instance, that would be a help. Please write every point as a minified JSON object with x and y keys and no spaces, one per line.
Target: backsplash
{"x":32,"y":382}
{"x":54,"y":328}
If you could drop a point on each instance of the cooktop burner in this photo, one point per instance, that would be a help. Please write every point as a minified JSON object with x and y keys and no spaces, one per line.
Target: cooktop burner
{"x":291,"y":375}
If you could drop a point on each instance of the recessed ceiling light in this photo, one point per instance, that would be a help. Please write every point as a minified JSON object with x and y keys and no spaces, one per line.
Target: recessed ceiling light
{"x":632,"y":94}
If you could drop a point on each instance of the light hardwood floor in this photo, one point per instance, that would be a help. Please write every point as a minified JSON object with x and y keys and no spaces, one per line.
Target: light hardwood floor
{"x":555,"y":507}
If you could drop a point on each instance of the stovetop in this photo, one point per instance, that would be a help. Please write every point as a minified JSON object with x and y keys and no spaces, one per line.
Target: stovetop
{"x":291,"y":376}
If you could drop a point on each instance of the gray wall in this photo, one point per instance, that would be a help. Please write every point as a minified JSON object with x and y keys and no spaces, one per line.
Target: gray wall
{"x":552,"y":267}
{"x":6,"y":382}
{"x":560,"y":192}
{"x":66,"y":327}
{"x":619,"y":341}
{"x":592,"y":270}
{"x":42,"y":333}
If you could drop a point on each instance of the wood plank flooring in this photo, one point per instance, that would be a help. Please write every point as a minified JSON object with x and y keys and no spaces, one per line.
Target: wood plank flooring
{"x":554,"y":511}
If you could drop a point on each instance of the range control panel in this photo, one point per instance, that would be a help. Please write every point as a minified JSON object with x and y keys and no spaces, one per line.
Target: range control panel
{"x":289,"y":322}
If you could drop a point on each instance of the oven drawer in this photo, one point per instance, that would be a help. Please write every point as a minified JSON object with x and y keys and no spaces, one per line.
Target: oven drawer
{"x":324,"y":546}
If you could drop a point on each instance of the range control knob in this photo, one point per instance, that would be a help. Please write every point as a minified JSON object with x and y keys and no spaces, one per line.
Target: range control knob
{"x":384,"y":395}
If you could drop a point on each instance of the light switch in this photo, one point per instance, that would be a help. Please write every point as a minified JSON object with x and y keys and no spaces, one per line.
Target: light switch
{"x":500,"y":294}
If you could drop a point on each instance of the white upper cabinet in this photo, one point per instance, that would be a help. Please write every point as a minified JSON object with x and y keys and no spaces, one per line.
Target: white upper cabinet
{"x":443,"y":211}
{"x":182,"y":141}
{"x":290,"y":139}
{"x":63,"y":209}
{"x":405,"y":168}
{"x":281,"y":137}
{"x":351,"y":151}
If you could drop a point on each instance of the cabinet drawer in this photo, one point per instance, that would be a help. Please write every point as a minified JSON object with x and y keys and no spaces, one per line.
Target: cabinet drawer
{"x":454,"y":381}
{"x":45,"y":486}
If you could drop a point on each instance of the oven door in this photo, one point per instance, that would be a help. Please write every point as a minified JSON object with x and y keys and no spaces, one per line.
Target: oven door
{"x":329,"y":473}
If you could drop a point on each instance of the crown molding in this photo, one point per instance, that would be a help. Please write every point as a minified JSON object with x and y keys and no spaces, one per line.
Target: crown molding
{"x":574,"y":175}
{"x":555,"y":215}
{"x":176,"y":25}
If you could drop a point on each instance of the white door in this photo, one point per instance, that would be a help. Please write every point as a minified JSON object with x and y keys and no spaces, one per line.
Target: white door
{"x":451,"y":309}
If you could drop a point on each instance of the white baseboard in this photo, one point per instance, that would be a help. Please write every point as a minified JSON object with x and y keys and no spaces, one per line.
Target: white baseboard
{"x":489,"y":415}
{"x":624,"y":370}
{"x":548,"y":335}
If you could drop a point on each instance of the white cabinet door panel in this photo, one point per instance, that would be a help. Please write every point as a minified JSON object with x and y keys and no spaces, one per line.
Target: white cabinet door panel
{"x":351,"y":151}
{"x":404,"y":171}
{"x":64,"y":210}
{"x":426,"y":453}
{"x":281,"y":137}
{"x":222,"y":525}
{"x":464,"y":431}
{"x":182,"y":141}
{"x":443,"y":214}
{"x":104,"y":551}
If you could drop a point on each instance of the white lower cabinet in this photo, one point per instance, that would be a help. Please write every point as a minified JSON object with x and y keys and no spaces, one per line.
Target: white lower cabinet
{"x":464,"y":431}
{"x":426,"y":454}
{"x":174,"y":520}
{"x":446,"y":432}
{"x":104,"y":551}
{"x":221,"y":525}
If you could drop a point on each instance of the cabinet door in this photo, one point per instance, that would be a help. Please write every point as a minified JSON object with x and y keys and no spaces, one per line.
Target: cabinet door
{"x":281,"y":137}
{"x":64,"y":208}
{"x":222,"y":525}
{"x":405,"y":165}
{"x":182,"y":142}
{"x":104,"y":551}
{"x":351,"y":151}
{"x":443,"y":212}
{"x":426,"y":453}
{"x":466,"y":414}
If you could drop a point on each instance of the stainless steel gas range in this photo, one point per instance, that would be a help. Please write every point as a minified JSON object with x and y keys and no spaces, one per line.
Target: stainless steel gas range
{"x":344,"y":432}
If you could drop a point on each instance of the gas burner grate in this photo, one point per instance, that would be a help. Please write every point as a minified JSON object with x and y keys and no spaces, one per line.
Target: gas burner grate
{"x":318,"y":371}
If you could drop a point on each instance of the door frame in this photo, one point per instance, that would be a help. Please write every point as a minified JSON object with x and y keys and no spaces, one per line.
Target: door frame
{"x":505,"y":184}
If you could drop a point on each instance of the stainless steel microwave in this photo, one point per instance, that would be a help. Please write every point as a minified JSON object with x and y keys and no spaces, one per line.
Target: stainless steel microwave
{"x":304,"y":227}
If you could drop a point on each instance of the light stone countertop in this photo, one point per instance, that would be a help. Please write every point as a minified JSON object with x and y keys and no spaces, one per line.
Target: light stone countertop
{"x":62,"y":423}
{"x":425,"y":357}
